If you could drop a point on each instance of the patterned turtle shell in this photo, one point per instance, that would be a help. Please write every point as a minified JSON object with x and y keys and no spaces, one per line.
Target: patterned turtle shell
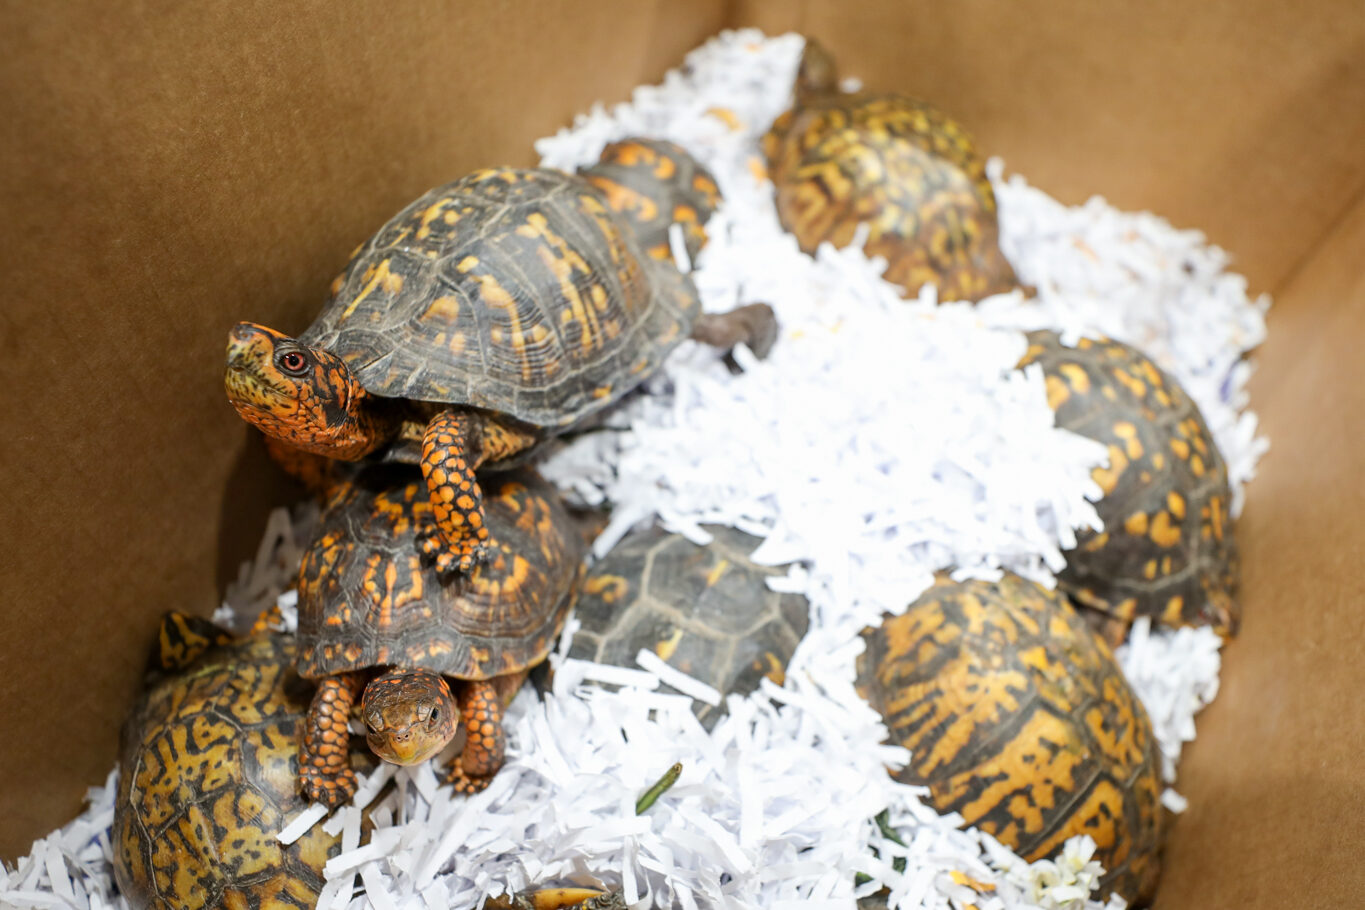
{"x":1167,"y":550}
{"x":657,"y":184}
{"x":208,"y":763}
{"x":705,"y":610}
{"x":367,"y":599}
{"x":516,"y":291}
{"x":907,"y":173}
{"x":1017,"y":717}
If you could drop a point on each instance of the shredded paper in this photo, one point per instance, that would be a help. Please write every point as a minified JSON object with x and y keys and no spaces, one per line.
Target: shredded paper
{"x":881,"y":441}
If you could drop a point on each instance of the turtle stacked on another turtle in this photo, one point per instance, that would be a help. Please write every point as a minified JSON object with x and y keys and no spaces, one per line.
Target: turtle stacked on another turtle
{"x":906,"y":173}
{"x":380,"y":628}
{"x":489,"y":315}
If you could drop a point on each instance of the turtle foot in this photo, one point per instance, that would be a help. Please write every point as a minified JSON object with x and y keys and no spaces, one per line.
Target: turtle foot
{"x":331,"y":788}
{"x":461,"y":556}
{"x":465,"y":783}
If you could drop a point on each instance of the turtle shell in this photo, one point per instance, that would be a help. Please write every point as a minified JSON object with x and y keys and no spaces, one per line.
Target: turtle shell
{"x":1018,"y":718}
{"x":209,"y":769}
{"x":368,"y":599}
{"x":1167,"y":549}
{"x":705,"y":610}
{"x":657,"y":184}
{"x":907,"y":173}
{"x":515,"y":291}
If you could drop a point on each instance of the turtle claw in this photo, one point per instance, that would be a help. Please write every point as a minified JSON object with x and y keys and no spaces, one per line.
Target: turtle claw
{"x":463,"y":782}
{"x":463,"y":556}
{"x":331,"y":788}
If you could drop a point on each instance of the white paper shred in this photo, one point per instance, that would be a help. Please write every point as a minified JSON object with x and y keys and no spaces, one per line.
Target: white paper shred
{"x":882,"y":440}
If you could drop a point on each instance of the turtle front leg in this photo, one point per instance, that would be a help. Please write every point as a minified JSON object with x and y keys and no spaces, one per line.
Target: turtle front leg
{"x":455,"y":444}
{"x":485,"y":746}
{"x":754,"y":324}
{"x":325,"y":774}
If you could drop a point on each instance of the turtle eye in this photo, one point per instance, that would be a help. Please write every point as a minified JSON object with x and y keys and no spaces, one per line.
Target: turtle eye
{"x":293,"y":362}
{"x":375,"y":723}
{"x":434,"y":717}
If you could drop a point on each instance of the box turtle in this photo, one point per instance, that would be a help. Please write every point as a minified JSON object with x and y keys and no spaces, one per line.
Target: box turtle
{"x":208,"y":776}
{"x":707,"y":611}
{"x":487,"y":316}
{"x":378,"y":624}
{"x":1017,"y":717}
{"x":906,"y":172}
{"x":1167,"y":549}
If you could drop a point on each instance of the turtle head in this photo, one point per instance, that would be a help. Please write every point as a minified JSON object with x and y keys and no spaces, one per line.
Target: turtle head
{"x":409,"y":715}
{"x":302,"y":395}
{"x":817,"y":74}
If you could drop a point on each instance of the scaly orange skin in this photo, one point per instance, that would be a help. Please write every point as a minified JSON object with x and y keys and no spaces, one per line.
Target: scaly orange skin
{"x":308,"y":398}
{"x":410,"y":715}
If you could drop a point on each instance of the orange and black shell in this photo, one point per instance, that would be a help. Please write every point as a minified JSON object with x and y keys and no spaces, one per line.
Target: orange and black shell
{"x":208,"y":777}
{"x":1018,"y":718}
{"x":368,"y":599}
{"x":655,"y":184}
{"x":516,"y":291}
{"x":907,"y":172}
{"x":707,"y":611}
{"x":1167,"y":549}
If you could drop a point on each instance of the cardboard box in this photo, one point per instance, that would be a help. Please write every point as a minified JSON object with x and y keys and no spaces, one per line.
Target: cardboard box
{"x":168,"y":169}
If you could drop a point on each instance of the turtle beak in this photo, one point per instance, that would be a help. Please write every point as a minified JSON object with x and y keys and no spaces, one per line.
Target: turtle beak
{"x":405,"y":748}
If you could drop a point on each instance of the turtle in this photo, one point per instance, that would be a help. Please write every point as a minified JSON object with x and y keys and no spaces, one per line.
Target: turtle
{"x":380,"y":625}
{"x":706,"y":610}
{"x":659,"y":185}
{"x":902,"y":170}
{"x":1018,"y":718}
{"x":488,"y":316}
{"x":207,"y":780}
{"x":1167,"y":549}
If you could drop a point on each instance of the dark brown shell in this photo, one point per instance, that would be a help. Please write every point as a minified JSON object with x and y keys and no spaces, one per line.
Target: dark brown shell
{"x":1017,"y":717}
{"x":1167,"y":549}
{"x":516,"y":291}
{"x":208,"y":778}
{"x":905,"y":171}
{"x":705,"y":610}
{"x":368,"y":599}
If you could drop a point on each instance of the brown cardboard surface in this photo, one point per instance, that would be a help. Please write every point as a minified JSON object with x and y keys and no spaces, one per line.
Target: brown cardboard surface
{"x":1240,"y":119}
{"x":1276,"y":779}
{"x":167,"y":169}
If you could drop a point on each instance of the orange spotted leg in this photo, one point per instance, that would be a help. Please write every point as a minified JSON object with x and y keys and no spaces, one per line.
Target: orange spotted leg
{"x":455,"y":444}
{"x":325,"y":774}
{"x":485,"y":745}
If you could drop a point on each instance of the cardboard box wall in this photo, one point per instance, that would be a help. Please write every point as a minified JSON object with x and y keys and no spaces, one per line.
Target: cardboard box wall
{"x":168,"y":168}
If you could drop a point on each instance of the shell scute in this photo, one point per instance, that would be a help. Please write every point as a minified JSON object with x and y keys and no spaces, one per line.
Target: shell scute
{"x":366,"y":599}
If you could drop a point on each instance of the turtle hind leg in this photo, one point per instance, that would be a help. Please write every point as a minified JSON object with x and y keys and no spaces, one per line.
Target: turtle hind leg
{"x":325,"y":774}
{"x":485,"y":746}
{"x":454,"y":445}
{"x":754,"y":324}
